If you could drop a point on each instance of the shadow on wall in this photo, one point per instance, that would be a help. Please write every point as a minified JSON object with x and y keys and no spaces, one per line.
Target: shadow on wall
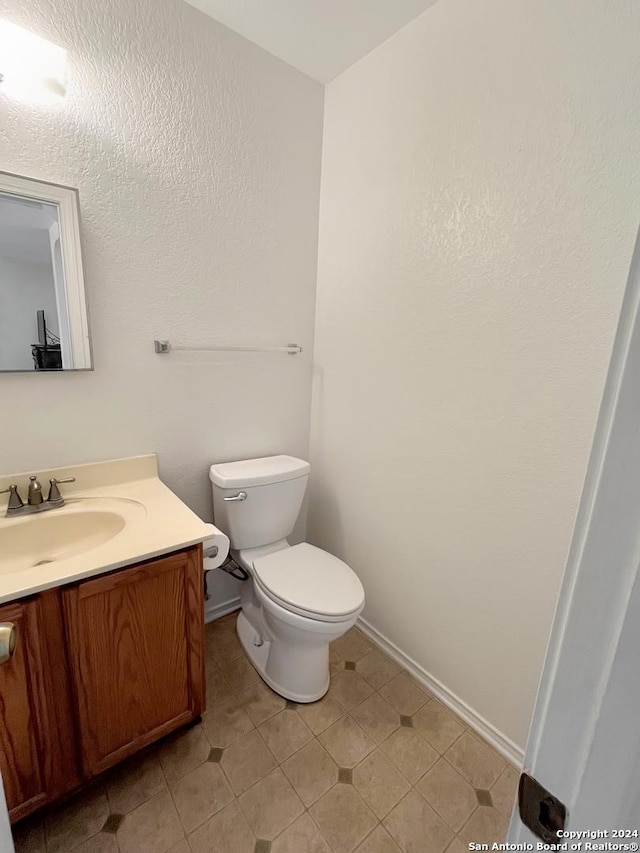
{"x":324,"y":522}
{"x":325,"y":527}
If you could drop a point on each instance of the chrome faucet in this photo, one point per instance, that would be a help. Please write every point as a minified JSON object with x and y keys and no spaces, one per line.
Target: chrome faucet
{"x":35,"y":492}
{"x":35,"y":501}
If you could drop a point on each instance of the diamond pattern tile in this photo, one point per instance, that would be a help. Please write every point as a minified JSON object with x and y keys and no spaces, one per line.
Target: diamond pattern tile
{"x":416,"y":827}
{"x":226,"y":832}
{"x":353,"y":645}
{"x":379,"y":783}
{"x":483,"y":797}
{"x":376,"y":716}
{"x":134,"y":782}
{"x":100,"y":843}
{"x":375,"y":766}
{"x":200,"y":794}
{"x":285,"y":734}
{"x":271,"y":805}
{"x":320,"y":715}
{"x":503,"y":793}
{"x":81,"y":817}
{"x":437,"y":725}
{"x":224,"y":725}
{"x":343,"y":818}
{"x":182,"y":752}
{"x":349,"y":688}
{"x":377,"y":669}
{"x":379,"y":842}
{"x":475,"y":760}
{"x":240,"y":674}
{"x":346,"y":742}
{"x":112,"y":823}
{"x":449,"y":794}
{"x":311,"y":771}
{"x":485,"y":826}
{"x":303,"y":836}
{"x":153,"y":826}
{"x":261,"y":703}
{"x":404,"y":694}
{"x":247,"y":761}
{"x":411,"y":755}
{"x":336,"y":661}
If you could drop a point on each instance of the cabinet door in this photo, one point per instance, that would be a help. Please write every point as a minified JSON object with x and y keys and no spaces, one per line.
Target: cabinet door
{"x":136,"y":644}
{"x":37,"y":758}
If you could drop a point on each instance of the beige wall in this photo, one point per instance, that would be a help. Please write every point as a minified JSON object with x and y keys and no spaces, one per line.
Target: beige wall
{"x":480,"y":197}
{"x":197,"y":158}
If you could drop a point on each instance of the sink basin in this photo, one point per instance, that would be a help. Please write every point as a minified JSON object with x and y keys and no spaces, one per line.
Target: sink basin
{"x":35,"y":540}
{"x":117,"y":513}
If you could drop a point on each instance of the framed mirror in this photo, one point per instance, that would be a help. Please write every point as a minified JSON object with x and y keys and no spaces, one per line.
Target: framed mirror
{"x":43,"y":311}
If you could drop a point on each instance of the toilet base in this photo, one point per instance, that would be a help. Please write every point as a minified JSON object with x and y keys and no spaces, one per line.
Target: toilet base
{"x":259,"y":657}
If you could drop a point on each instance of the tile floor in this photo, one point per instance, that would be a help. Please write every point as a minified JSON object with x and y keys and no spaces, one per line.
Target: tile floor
{"x":377,"y":766}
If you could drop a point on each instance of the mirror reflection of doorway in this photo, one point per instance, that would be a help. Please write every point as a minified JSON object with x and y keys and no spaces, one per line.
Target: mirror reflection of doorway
{"x":30,"y":310}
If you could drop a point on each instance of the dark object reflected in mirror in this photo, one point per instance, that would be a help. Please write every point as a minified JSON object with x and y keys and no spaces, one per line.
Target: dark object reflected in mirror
{"x":43,"y":316}
{"x":47,"y":353}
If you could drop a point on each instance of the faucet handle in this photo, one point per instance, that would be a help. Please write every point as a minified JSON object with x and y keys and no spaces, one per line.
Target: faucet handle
{"x":15,"y":501}
{"x":54,"y":492}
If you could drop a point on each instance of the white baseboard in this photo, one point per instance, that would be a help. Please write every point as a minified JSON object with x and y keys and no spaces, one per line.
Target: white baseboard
{"x":506,"y":747}
{"x":217,"y":610}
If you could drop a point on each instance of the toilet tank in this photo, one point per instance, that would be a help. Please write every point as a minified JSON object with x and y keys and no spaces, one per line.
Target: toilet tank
{"x":274,"y":486}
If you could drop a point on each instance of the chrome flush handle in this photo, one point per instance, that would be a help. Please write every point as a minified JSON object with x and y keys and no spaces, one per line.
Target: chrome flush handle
{"x":241,"y":496}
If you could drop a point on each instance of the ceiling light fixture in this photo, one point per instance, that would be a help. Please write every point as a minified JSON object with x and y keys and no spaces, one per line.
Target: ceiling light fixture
{"x":30,"y":66}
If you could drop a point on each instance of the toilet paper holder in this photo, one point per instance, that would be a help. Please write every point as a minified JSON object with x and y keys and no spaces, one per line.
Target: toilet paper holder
{"x":229,"y":566}
{"x":212,"y":551}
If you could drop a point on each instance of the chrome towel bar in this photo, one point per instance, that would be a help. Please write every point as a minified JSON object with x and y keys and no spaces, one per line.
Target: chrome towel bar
{"x":166,"y":346}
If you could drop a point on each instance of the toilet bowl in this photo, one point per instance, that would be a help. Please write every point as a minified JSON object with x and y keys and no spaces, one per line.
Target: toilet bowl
{"x":299,"y":598}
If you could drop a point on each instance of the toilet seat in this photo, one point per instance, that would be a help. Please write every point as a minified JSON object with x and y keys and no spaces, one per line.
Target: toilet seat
{"x":310,"y":582}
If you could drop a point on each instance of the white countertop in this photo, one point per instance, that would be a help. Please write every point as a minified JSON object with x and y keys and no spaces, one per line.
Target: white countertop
{"x":156,"y":522}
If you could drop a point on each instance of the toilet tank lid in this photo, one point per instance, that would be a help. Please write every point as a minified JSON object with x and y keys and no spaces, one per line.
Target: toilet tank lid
{"x":257,"y":472}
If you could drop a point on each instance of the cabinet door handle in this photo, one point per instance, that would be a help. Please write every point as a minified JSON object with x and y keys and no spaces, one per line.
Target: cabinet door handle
{"x":8,"y":640}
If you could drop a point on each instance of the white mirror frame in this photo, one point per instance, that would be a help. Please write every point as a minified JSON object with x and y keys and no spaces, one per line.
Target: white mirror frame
{"x":72,"y":303}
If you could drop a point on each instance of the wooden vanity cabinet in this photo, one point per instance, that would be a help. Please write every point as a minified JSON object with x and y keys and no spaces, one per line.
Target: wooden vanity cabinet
{"x":101,"y":669}
{"x":37,"y":739}
{"x":136,"y":640}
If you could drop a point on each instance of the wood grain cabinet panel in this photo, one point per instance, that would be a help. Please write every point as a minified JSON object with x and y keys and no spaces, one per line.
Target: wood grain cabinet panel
{"x":37,"y":755}
{"x":135,"y":642}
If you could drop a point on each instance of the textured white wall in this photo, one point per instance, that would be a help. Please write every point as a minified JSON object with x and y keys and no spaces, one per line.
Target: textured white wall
{"x":197,"y":158}
{"x":480,"y":197}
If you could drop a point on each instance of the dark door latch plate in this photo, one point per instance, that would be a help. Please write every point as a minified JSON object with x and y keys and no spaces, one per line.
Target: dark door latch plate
{"x":543,"y":813}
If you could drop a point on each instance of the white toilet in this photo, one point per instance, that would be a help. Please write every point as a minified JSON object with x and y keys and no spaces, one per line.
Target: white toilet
{"x":299,"y":598}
